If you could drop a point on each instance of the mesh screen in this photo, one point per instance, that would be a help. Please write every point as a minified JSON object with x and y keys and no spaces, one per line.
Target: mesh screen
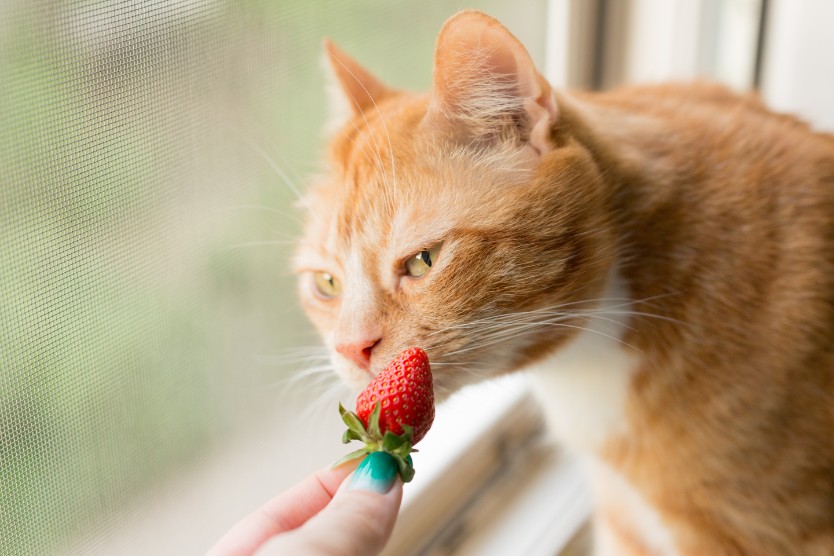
{"x":145,"y":221}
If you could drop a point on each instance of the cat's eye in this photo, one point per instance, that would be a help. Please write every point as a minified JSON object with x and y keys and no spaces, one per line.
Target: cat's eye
{"x":420,"y":263}
{"x":327,"y":286}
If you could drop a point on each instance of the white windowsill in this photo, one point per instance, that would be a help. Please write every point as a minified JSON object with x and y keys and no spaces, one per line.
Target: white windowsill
{"x":489,"y":481}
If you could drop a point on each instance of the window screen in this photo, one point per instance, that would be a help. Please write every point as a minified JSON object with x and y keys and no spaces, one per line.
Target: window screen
{"x":148,"y":155}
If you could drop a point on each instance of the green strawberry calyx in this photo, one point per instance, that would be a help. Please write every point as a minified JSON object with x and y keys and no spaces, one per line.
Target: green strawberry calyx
{"x":397,"y":445}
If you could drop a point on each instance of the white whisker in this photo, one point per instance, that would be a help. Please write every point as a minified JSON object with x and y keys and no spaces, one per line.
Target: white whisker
{"x":268,"y":243}
{"x":507,"y":327}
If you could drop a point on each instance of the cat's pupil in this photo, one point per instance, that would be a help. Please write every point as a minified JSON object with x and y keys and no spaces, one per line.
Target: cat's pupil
{"x":326,"y":285}
{"x":421,"y":262}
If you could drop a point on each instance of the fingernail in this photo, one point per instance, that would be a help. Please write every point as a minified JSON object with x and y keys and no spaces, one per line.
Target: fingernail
{"x":376,"y":473}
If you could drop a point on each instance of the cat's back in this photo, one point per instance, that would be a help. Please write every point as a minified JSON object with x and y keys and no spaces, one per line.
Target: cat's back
{"x":727,"y":216}
{"x":702,"y":108}
{"x":696,"y":102}
{"x":718,"y":147}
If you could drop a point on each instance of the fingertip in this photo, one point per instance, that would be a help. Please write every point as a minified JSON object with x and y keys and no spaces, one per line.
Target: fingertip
{"x":377,"y":473}
{"x":360,"y":518}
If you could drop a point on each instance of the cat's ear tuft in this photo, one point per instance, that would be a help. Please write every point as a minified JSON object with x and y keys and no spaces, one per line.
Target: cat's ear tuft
{"x":353,"y":89}
{"x":486,"y":83}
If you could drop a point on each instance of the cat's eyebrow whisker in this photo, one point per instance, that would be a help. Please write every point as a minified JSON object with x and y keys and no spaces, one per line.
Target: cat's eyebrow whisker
{"x":368,"y":138}
{"x":381,"y":119}
{"x":377,"y":164}
{"x":376,"y":161}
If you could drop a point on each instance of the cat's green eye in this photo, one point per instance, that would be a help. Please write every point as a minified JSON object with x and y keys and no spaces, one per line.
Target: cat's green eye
{"x":326,"y":285}
{"x":420,"y":263}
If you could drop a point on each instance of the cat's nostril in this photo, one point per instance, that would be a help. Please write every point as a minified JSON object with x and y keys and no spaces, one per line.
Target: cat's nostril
{"x":360,"y":352}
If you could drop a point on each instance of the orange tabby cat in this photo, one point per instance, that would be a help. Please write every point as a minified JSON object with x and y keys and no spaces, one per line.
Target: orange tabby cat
{"x":661,"y":257}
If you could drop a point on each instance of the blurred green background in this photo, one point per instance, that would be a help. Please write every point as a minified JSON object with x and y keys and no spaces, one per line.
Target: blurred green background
{"x":145,"y":232}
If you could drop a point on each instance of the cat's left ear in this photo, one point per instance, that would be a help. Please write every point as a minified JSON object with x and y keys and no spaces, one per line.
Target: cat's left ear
{"x":353,"y":89}
{"x":486,"y":83}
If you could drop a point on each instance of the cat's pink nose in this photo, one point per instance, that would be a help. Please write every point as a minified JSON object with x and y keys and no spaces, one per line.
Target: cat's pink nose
{"x":359,"y":352}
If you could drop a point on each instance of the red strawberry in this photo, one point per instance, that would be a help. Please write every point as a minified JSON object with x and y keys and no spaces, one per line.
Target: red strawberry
{"x":394,"y":412}
{"x":405,"y":392}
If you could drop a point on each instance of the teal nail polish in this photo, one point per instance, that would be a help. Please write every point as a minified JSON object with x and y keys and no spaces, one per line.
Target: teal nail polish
{"x":376,"y":473}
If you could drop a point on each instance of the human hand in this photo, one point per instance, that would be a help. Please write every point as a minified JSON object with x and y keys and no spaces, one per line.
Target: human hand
{"x":324,"y":515}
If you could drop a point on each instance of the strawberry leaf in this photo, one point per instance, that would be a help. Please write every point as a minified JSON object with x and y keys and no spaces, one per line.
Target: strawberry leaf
{"x":406,"y":469}
{"x":408,"y":433}
{"x":350,"y":435}
{"x":342,"y":410}
{"x":373,"y":422}
{"x":404,"y":449}
{"x":352,"y":421}
{"x":361,"y":452}
{"x":391,"y":441}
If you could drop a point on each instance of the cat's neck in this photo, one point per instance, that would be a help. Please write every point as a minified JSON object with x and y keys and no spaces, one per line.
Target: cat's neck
{"x":644,"y":177}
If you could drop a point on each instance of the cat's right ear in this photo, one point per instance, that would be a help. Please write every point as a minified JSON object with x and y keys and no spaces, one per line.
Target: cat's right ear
{"x":352,"y":89}
{"x":486,"y":85}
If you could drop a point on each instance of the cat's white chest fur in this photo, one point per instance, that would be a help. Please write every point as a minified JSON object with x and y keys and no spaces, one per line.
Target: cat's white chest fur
{"x":583,"y":386}
{"x":583,"y":390}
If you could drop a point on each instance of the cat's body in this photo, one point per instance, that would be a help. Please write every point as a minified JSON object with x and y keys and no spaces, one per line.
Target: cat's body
{"x":662,"y":257}
{"x":726,"y":218}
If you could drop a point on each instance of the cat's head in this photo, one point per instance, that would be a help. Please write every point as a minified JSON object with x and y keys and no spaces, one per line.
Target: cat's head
{"x":466,"y":221}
